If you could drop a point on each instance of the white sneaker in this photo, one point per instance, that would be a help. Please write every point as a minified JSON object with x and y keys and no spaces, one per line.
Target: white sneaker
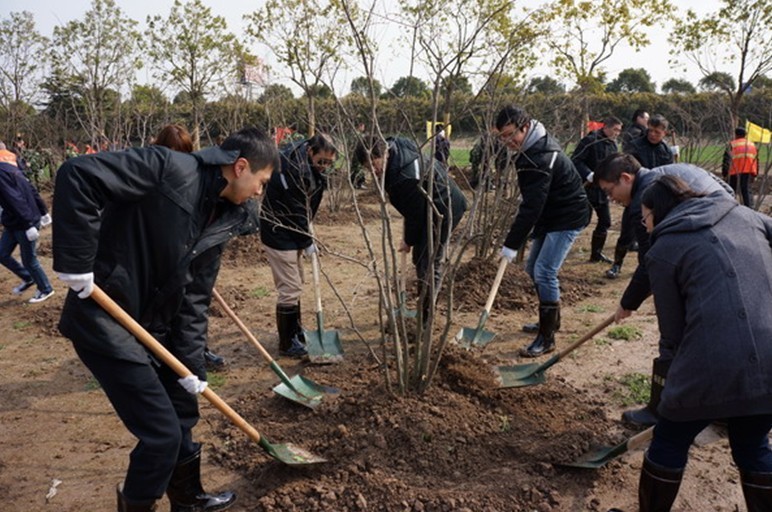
{"x":40,"y":296}
{"x":18,"y":290}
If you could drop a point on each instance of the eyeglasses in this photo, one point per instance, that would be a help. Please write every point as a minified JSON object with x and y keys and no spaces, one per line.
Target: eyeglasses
{"x":643,"y":219}
{"x":325,"y":162}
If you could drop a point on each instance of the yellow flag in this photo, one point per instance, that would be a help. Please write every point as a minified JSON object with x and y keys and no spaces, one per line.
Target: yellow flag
{"x":757,"y":133}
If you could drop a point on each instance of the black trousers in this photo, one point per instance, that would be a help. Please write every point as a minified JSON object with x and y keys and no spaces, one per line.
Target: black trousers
{"x":603,"y":212}
{"x":744,"y":190}
{"x":156,"y":410}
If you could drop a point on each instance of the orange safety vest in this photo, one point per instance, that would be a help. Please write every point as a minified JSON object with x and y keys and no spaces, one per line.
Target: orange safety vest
{"x":744,"y":157}
{"x":8,"y":157}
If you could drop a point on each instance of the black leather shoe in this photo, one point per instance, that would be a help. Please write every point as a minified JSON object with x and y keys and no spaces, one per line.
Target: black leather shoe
{"x":643,"y":417}
{"x":212,"y":360}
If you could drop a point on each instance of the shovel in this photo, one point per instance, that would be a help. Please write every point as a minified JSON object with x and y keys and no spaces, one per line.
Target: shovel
{"x":467,"y":337}
{"x":600,"y":457}
{"x":323,"y":346}
{"x":298,"y":389}
{"x":521,"y":375}
{"x":286,"y":453}
{"x":407,"y":313}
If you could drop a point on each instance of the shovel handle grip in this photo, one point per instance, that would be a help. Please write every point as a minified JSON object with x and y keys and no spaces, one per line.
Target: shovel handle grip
{"x":573,"y":346}
{"x":144,"y":337}
{"x":496,"y":284}
{"x":243,"y":328}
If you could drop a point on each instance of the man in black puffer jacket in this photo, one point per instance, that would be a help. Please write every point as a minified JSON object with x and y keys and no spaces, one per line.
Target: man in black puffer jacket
{"x":406,"y":182}
{"x":149,"y":226}
{"x":554,"y":207}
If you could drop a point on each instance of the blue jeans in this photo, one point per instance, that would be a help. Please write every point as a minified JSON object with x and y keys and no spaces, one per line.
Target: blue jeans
{"x":545,"y":259}
{"x":29,"y":269}
{"x":748,"y":439}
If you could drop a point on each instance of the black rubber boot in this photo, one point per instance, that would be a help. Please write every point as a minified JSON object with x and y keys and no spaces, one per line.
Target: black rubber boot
{"x":596,"y":249}
{"x":291,"y":338}
{"x":647,"y":416}
{"x":757,"y":489}
{"x":658,"y":486}
{"x":186,"y":494}
{"x":549,"y":313}
{"x":212,"y":360}
{"x":124,"y":505}
{"x":619,"y":258}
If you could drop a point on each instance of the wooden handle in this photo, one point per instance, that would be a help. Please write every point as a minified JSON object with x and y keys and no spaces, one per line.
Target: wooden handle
{"x":402,"y":271}
{"x":243,"y":328}
{"x":640,"y":440}
{"x":317,"y":288}
{"x":496,"y":283}
{"x":139,"y":332}
{"x":586,"y":337}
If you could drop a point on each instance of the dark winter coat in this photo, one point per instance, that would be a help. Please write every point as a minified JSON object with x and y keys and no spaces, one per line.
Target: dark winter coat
{"x":406,"y":179}
{"x":710,"y":264}
{"x":632,"y":133}
{"x":151,"y":226}
{"x":699,"y":180}
{"x":22,"y":205}
{"x":552,"y":191}
{"x":291,"y":201}
{"x":650,"y":155}
{"x":590,"y":152}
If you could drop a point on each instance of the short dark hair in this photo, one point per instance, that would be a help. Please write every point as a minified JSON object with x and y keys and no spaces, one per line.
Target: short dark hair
{"x":612,"y":121}
{"x":610,"y":169}
{"x":438,"y":127}
{"x":658,"y":120}
{"x":322,"y":142}
{"x":512,"y":114}
{"x":740,"y":132}
{"x":370,"y":147}
{"x":638,"y":113}
{"x":254,"y":145}
{"x":176,"y":137}
{"x":664,"y":194}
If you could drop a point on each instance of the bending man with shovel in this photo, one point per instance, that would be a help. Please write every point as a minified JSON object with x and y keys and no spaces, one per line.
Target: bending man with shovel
{"x":554,"y":207}
{"x":148,"y":226}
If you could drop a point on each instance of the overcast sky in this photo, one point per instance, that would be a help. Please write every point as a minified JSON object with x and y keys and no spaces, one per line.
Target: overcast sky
{"x":49,"y":13}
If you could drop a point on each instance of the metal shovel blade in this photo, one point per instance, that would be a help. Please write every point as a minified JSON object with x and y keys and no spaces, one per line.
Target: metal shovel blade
{"x":598,"y":458}
{"x":468,"y":337}
{"x":520,"y":375}
{"x":403,"y":310}
{"x":290,"y":454}
{"x":304,"y":391}
{"x":325,"y":348}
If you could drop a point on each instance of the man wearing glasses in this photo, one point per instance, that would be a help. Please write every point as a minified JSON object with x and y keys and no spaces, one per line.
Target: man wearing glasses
{"x":291,"y":201}
{"x":623,"y":179}
{"x":554,"y":208}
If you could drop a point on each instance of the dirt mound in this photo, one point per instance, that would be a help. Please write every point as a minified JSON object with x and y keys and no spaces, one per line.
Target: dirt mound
{"x":464,"y":445}
{"x":347,"y":214}
{"x":475,"y":278}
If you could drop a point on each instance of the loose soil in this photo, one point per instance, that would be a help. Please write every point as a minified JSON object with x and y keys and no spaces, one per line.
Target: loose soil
{"x":464,"y":445}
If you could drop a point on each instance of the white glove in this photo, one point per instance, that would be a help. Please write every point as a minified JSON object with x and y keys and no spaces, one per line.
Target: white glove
{"x":590,"y":177}
{"x":311,"y":249}
{"x":509,"y":254}
{"x":45,"y":220}
{"x":32,"y":234}
{"x":82,"y":284}
{"x":192,"y":384}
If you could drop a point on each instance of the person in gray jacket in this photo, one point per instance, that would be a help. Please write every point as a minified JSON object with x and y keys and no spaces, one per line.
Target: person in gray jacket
{"x":623,"y":179}
{"x":710,"y":268}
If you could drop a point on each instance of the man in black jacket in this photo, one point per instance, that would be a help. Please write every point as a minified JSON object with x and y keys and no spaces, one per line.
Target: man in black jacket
{"x":554,"y":207}
{"x":398,"y":162}
{"x":636,"y":129}
{"x":292,"y":199}
{"x":149,"y":226}
{"x":24,"y":212}
{"x":590,"y":151}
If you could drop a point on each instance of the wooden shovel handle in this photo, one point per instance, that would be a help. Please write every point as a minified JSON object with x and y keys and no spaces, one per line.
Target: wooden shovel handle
{"x":402,"y":270}
{"x":317,"y":288}
{"x":640,"y":439}
{"x":496,"y":284}
{"x":139,"y":332}
{"x":573,"y":346}
{"x":243,"y":328}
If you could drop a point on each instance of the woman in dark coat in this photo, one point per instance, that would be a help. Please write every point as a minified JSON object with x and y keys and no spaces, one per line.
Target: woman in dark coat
{"x":710,"y":266}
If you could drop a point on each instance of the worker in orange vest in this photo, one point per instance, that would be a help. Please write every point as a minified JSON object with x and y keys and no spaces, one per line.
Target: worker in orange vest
{"x":7,"y":156}
{"x":741,"y":159}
